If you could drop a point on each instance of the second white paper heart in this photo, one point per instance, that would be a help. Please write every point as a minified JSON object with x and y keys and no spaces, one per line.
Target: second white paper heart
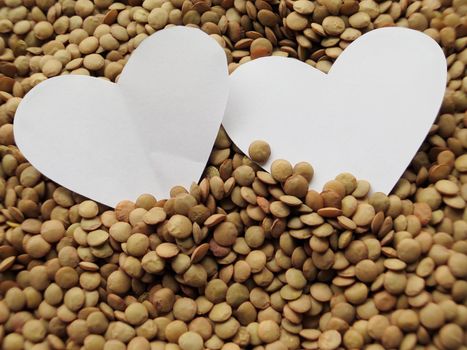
{"x":152,"y":130}
{"x":368,"y":116}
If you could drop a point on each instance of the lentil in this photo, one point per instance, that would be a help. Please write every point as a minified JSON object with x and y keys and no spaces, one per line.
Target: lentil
{"x":243,"y":259}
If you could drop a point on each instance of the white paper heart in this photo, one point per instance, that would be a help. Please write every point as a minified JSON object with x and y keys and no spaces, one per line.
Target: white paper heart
{"x":367,"y":116}
{"x":152,"y":130}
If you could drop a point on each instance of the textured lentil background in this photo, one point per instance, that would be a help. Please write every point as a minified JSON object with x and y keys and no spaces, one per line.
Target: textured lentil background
{"x":244,"y":259}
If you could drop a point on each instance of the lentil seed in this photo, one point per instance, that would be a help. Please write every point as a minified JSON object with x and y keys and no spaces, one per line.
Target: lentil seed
{"x":276,"y":265}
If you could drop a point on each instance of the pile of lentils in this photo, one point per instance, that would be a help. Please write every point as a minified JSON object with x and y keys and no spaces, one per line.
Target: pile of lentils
{"x":246,"y":258}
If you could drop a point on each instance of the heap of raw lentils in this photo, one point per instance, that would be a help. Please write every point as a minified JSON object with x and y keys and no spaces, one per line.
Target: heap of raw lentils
{"x":245,"y":259}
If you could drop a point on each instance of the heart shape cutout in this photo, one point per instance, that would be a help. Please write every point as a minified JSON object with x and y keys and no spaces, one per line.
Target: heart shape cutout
{"x":367,"y":116}
{"x":152,"y":130}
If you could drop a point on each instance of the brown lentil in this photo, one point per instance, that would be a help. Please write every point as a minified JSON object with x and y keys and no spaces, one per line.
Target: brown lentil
{"x":244,"y":259}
